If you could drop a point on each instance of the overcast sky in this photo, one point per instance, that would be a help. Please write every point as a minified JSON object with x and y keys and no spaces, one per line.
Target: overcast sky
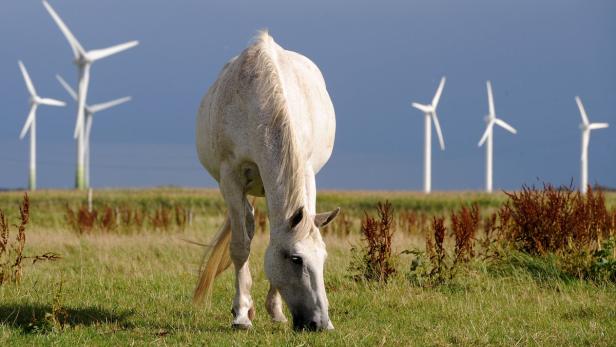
{"x":377,"y":57}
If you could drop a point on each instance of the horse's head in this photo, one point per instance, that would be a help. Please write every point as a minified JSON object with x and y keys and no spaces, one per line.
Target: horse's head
{"x":294,"y":266}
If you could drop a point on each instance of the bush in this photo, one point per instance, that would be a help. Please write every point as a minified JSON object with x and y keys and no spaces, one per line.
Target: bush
{"x":556,"y":220}
{"x":576,"y":229}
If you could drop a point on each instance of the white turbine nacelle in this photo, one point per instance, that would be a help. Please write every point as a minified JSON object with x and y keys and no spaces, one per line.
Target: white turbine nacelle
{"x":430,"y":111}
{"x":83,"y":59}
{"x":586,"y":127}
{"x":30,"y":124}
{"x":487,"y":137}
{"x":430,"y":115}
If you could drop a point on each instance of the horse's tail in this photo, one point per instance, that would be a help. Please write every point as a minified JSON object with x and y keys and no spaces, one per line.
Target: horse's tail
{"x":218,"y":260}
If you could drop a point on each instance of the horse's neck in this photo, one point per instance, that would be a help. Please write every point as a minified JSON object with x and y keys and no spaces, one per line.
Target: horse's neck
{"x":276,"y":193}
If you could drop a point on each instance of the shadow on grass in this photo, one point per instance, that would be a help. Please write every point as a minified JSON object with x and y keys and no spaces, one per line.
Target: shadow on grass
{"x":34,"y":318}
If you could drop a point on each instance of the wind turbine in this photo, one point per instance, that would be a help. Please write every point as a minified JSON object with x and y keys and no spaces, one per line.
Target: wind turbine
{"x":89,"y":118}
{"x":586,"y":127}
{"x":35,"y":101}
{"x":83,"y":60}
{"x":488,"y":135}
{"x":430,"y":115}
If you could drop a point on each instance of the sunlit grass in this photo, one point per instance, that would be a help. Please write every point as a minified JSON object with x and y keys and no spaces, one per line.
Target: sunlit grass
{"x":120,"y":289}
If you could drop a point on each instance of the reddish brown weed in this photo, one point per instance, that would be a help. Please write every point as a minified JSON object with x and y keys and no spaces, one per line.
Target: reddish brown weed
{"x":12,"y":255}
{"x":465,"y":225}
{"x":552,"y":219}
{"x":377,"y":262}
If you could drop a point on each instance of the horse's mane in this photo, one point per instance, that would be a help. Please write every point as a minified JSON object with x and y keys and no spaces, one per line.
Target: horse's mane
{"x":261,"y":63}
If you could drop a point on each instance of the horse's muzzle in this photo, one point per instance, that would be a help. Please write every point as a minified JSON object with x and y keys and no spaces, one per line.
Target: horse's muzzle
{"x":312,"y":324}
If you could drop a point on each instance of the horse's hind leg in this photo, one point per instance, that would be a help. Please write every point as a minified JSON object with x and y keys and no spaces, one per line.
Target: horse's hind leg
{"x":242,"y":230}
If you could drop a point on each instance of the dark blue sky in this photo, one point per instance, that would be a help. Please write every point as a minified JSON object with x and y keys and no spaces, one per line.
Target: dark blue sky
{"x":376,"y":57}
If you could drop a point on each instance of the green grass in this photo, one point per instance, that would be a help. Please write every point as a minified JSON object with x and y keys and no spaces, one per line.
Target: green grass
{"x":137,"y":288}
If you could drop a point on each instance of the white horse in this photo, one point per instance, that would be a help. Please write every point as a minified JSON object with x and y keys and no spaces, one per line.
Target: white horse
{"x":265,"y":128}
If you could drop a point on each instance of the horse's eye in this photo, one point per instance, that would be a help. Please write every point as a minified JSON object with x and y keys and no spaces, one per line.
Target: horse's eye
{"x":297,"y":260}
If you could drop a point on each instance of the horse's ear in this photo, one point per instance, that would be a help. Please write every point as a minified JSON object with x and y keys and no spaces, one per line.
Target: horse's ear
{"x":322,"y":219}
{"x":297,"y":217}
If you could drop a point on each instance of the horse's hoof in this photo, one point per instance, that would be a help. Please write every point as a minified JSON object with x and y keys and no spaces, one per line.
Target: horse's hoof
{"x":279,"y":320}
{"x":241,"y":323}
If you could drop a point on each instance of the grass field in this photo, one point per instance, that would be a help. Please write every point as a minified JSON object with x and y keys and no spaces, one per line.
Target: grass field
{"x":136,"y":288}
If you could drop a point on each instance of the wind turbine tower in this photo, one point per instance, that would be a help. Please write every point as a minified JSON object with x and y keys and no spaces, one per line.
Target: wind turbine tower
{"x":487,"y":137}
{"x":83,"y":60}
{"x":586,"y":127}
{"x":429,"y":116}
{"x":89,"y":114}
{"x":30,"y":125}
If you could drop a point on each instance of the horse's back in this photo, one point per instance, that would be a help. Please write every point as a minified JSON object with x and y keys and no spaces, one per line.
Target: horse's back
{"x":230,"y":121}
{"x":311,"y":108}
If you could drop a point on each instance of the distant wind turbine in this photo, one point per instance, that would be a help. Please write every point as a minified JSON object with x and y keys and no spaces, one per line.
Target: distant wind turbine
{"x":430,"y":115}
{"x":89,"y":118}
{"x":488,"y":135}
{"x":35,"y":101}
{"x":586,"y":127}
{"x":83,"y":60}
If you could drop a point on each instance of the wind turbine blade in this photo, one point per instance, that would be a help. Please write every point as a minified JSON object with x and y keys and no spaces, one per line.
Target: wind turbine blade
{"x":439,"y":91}
{"x":490,"y":100}
{"x":422,"y":108}
{"x":29,"y":121}
{"x":27,"y":79}
{"x":52,"y":102}
{"x":585,"y":140}
{"x":109,"y":104}
{"x":437,"y":126}
{"x":68,"y":88}
{"x":486,"y":134}
{"x":582,"y":110}
{"x":97,"y":54}
{"x":503,"y":124}
{"x":75,"y":46}
{"x":594,"y":126}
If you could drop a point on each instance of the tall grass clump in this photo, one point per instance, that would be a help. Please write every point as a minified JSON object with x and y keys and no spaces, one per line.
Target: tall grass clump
{"x":374,"y":260}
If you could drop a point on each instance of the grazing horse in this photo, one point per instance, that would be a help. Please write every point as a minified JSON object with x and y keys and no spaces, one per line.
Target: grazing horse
{"x":265,"y":128}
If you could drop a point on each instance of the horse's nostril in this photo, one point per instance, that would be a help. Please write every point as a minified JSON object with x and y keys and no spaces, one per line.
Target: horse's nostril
{"x":312,"y":326}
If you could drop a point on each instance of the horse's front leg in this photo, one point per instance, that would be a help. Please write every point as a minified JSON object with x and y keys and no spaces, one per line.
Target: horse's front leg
{"x":273,"y":303}
{"x":242,"y":230}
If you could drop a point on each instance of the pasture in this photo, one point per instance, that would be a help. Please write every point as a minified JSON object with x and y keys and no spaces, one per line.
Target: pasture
{"x":133,"y":285}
